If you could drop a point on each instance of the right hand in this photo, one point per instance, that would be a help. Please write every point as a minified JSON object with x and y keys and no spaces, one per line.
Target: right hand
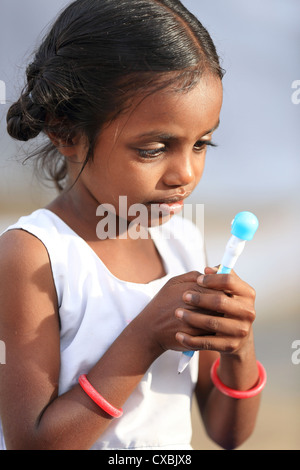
{"x":160,"y":321}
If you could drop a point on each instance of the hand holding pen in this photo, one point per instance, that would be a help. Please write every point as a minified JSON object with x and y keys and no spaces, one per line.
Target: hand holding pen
{"x":243,"y":229}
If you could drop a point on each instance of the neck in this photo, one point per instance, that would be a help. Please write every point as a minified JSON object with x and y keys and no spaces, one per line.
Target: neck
{"x":93,"y":221}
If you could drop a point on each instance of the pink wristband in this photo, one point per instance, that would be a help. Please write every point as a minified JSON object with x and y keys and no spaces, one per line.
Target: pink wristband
{"x":98,"y":399}
{"x":239,"y":394}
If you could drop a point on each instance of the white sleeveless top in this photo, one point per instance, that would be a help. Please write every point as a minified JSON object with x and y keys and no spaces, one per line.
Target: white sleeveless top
{"x":94,"y":308}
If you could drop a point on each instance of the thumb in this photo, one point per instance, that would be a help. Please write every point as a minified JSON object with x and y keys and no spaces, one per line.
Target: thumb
{"x":214,"y":270}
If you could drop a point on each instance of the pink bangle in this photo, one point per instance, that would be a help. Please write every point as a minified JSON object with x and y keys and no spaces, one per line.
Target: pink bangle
{"x":97,"y":398}
{"x":230,"y":392}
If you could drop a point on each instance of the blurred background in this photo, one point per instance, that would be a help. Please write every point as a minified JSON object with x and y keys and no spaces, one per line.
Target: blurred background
{"x":255,"y":167}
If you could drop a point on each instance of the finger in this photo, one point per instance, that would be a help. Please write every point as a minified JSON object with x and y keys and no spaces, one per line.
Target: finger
{"x":222,"y":304}
{"x":190,"y":276}
{"x":228,"y":283}
{"x":209,"y":270}
{"x":208,"y":343}
{"x":214,"y":324}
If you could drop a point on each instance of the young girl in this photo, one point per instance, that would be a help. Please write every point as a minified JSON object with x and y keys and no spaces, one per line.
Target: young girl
{"x":128,"y":95}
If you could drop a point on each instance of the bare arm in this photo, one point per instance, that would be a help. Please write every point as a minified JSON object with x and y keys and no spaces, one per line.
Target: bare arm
{"x":229,"y":422}
{"x":33,"y":415}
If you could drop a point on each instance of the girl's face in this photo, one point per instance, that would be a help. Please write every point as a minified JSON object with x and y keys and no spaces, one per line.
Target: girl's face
{"x":154,"y":153}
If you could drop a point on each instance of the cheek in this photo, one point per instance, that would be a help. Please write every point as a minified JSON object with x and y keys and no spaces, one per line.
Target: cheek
{"x":139,"y":179}
{"x":202,"y":168}
{"x":127,"y":181}
{"x":199,"y":167}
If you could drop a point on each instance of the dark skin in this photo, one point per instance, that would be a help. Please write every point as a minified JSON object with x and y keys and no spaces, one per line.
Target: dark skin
{"x":217,"y":320}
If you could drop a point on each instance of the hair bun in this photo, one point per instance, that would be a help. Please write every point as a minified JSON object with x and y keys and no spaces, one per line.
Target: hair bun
{"x":25,"y":120}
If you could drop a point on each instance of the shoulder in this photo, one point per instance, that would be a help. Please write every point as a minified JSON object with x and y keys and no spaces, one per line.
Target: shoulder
{"x":35,"y":239}
{"x":25,"y":270}
{"x":18,"y":247}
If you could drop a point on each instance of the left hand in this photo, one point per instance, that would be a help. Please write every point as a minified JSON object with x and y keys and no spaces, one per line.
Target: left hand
{"x":229,"y":317}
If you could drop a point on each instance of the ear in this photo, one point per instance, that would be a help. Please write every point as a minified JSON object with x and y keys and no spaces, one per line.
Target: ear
{"x":71,"y":147}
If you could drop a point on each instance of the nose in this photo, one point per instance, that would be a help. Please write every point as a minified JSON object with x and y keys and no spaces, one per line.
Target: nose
{"x":180,"y":170}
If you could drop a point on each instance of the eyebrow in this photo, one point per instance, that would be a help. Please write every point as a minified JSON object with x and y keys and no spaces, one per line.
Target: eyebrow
{"x":213,"y":129}
{"x":169,"y":136}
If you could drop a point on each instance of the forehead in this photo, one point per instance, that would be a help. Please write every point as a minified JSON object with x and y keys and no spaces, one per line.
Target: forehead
{"x":180,"y":113}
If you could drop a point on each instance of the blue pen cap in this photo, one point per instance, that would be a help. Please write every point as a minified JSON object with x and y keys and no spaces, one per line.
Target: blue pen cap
{"x":244,"y":225}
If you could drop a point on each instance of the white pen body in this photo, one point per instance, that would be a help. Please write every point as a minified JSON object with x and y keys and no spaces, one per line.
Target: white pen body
{"x":233,"y":250}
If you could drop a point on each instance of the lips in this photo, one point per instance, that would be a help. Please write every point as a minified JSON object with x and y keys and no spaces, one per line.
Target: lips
{"x":176,"y":198}
{"x":170,"y":205}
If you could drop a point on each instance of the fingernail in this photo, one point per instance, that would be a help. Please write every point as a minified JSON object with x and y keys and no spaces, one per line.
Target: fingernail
{"x":179,"y":337}
{"x":179,"y":313}
{"x":200,"y":279}
{"x":188,"y":297}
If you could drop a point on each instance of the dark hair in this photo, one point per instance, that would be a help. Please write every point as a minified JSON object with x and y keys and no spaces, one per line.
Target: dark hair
{"x":97,"y":55}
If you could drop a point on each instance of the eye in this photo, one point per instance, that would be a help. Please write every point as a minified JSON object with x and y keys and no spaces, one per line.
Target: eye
{"x":202,"y":144}
{"x":151,"y":153}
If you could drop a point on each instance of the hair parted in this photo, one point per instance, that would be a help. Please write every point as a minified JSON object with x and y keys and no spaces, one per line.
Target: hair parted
{"x":95,"y":58}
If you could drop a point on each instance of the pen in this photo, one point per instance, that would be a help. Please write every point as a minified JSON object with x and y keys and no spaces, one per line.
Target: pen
{"x":243,"y":228}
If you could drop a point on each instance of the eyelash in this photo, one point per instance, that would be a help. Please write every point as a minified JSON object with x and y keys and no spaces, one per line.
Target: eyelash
{"x":155,"y":153}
